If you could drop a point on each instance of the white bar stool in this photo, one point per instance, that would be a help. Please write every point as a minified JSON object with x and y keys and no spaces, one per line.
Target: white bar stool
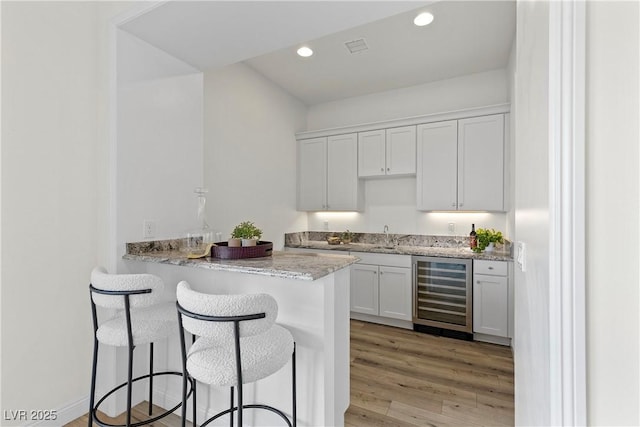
{"x":140,"y":320}
{"x":238,"y":342}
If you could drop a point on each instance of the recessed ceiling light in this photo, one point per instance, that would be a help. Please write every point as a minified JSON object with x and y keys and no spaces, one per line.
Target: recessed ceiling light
{"x":305,"y":52}
{"x":425,"y":18}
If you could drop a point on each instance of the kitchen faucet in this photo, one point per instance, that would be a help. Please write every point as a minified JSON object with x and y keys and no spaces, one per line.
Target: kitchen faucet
{"x":386,"y":235}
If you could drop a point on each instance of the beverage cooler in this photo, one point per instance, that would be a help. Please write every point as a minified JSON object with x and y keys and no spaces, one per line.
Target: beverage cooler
{"x":443,"y":293}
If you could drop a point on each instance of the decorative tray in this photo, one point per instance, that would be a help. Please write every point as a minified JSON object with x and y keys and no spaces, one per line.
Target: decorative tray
{"x":223,"y":251}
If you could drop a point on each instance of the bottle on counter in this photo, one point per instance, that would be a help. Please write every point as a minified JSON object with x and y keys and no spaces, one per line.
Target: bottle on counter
{"x":473,"y":239}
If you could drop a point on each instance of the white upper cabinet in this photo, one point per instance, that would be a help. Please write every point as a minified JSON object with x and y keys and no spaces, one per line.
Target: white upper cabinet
{"x":343,"y":188}
{"x":312,"y":174}
{"x":387,"y":152}
{"x":437,"y":173}
{"x":371,"y":153}
{"x":461,"y":164}
{"x":481,"y":163}
{"x":328,"y":174}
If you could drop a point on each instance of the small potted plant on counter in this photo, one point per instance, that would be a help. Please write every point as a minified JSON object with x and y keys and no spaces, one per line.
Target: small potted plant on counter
{"x":346,"y":237}
{"x":487,"y":238}
{"x":247,"y":232}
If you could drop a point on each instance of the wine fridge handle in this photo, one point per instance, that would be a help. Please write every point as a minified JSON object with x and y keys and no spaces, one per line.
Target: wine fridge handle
{"x":414,"y":288}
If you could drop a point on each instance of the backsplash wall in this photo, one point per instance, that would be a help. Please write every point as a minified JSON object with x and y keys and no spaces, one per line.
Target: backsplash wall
{"x":392,"y":202}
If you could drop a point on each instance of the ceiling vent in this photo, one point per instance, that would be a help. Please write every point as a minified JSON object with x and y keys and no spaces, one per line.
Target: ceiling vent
{"x":357,"y":46}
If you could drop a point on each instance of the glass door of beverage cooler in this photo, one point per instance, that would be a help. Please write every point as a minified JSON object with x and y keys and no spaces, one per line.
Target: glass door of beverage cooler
{"x":442,"y":293}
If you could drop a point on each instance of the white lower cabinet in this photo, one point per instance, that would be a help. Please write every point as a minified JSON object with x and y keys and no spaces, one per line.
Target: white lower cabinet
{"x":381,"y":287}
{"x":364,"y":289}
{"x":491,"y":299}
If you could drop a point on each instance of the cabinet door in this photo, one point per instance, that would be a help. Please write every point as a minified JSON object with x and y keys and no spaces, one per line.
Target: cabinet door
{"x":395,"y":292}
{"x":312,"y":174}
{"x":481,"y":163}
{"x":343,"y":193}
{"x":364,"y":289}
{"x":437,"y":166}
{"x":491,"y":305}
{"x":401,"y":151}
{"x":371,"y":153}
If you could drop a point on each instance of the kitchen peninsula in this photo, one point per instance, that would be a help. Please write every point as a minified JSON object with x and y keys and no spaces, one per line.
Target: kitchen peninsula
{"x":312,"y":291}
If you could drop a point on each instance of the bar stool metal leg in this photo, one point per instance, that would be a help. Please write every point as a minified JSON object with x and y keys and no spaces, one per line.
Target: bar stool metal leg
{"x":231,"y":407}
{"x":94,"y":367}
{"x":293,"y":386}
{"x":150,"y":378}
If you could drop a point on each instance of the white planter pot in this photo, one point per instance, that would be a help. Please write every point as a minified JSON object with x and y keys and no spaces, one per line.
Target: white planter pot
{"x":249,"y":242}
{"x":490,"y":247}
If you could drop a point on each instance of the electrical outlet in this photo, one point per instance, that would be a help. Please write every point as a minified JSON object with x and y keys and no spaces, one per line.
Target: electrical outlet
{"x":452,"y":227}
{"x":326,"y":225}
{"x":148,"y":229}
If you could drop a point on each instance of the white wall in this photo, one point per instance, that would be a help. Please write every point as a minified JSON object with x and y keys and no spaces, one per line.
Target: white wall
{"x":393,"y":201}
{"x":250,"y":153}
{"x":54,"y":197}
{"x":531,"y":341}
{"x":475,"y":90}
{"x":613,"y":276}
{"x":159,"y":142}
{"x":510,"y":154}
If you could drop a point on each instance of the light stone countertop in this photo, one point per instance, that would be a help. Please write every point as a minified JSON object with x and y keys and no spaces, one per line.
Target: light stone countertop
{"x":307,"y":266}
{"x":447,"y":252}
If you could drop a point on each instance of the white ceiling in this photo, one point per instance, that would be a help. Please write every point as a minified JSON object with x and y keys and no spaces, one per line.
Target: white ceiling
{"x":466,"y":37}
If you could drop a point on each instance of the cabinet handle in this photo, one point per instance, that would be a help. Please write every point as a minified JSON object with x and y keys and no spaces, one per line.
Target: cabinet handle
{"x":381,"y":169}
{"x":453,"y":204}
{"x":490,"y":268}
{"x":382,"y":272}
{"x":461,"y":204}
{"x":388,"y":169}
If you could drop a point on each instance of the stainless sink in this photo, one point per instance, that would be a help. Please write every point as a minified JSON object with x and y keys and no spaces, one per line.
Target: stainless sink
{"x":385,"y":246}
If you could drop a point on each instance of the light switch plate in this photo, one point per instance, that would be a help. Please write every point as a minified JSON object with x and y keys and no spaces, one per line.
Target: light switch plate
{"x":521,"y":256}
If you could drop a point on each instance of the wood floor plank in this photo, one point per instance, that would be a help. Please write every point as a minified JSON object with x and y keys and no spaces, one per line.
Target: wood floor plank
{"x":420,"y":417}
{"x":467,"y":374}
{"x":385,"y":391}
{"x":360,"y":417}
{"x":369,"y":401}
{"x":410,"y":384}
{"x":468,"y":414}
{"x":419,"y":374}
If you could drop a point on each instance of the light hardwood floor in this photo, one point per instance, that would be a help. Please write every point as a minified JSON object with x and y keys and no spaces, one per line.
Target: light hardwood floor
{"x":405,"y":378}
{"x":138,"y":413}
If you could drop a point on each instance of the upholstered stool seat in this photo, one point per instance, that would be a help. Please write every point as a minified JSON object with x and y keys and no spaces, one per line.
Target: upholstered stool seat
{"x":147,"y":325}
{"x":140,"y":318}
{"x":238,"y":342}
{"x":261,"y":356}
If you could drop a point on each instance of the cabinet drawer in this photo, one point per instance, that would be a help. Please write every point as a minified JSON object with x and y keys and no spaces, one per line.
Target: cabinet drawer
{"x":383,"y":259}
{"x":493,"y":268}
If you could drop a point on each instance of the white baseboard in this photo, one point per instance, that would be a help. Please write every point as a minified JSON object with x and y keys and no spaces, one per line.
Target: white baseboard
{"x":65,"y":414}
{"x":382,"y":320}
{"x":492,"y":339}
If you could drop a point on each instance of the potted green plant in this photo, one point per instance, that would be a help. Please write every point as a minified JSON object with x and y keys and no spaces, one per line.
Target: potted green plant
{"x":247,"y":232}
{"x":346,"y":236}
{"x":487,"y":238}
